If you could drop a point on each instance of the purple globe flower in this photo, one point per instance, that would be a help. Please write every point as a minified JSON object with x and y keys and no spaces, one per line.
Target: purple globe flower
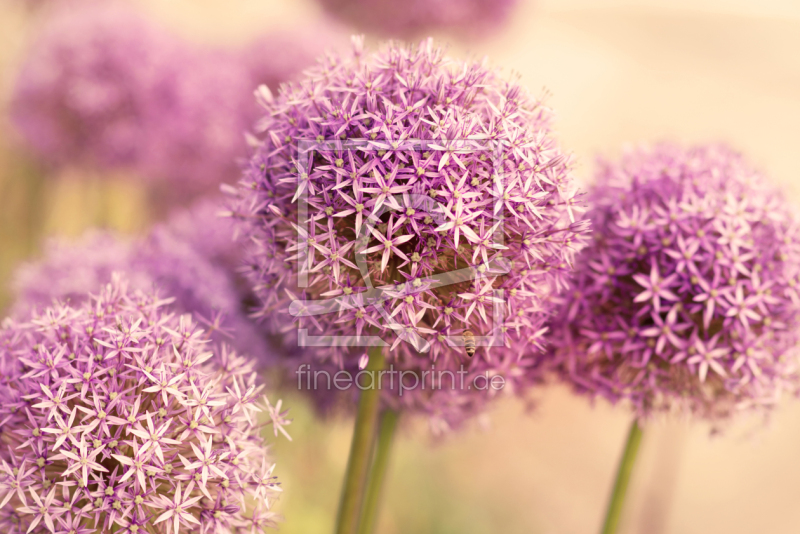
{"x":415,"y":17}
{"x":687,"y":298}
{"x":407,"y":195}
{"x":281,"y":55}
{"x":79,"y":95}
{"x":205,"y":229}
{"x":115,"y":415}
{"x":175,"y":114}
{"x":188,"y":259}
{"x":196,"y":134}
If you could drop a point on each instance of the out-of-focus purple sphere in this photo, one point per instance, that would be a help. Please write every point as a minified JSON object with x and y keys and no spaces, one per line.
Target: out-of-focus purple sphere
{"x":105,"y":87}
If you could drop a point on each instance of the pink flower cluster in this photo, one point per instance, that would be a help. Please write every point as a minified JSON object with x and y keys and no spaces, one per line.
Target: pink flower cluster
{"x":411,"y":196}
{"x":191,"y":259}
{"x":118,"y":416}
{"x":688,"y":296}
{"x":415,"y":17}
{"x":103,"y":86}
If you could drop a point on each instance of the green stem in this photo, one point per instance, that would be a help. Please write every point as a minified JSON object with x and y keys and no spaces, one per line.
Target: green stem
{"x":624,"y":471}
{"x":383,"y":449}
{"x":35,"y":204}
{"x":359,"y":462}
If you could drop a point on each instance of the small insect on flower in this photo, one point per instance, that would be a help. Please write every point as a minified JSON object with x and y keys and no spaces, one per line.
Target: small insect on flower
{"x":469,"y":343}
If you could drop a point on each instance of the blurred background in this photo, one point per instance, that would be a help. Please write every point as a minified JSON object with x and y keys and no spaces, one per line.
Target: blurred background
{"x":616,"y":72}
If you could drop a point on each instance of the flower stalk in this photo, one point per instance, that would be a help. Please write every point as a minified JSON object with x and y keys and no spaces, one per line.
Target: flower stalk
{"x":615,"y":505}
{"x":359,"y":462}
{"x":380,"y":464}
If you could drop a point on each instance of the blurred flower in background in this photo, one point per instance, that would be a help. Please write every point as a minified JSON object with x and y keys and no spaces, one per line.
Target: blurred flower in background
{"x":413,"y":18}
{"x":687,"y":298}
{"x":204,"y":228}
{"x":281,"y":55}
{"x":201,"y":281}
{"x":90,"y":80}
{"x":104,"y":87}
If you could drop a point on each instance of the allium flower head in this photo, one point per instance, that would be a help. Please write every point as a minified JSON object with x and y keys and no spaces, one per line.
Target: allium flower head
{"x":415,"y":17}
{"x":281,"y":55}
{"x":115,"y":416}
{"x":187,"y":258}
{"x":688,"y":296}
{"x":103,"y":86}
{"x":80,"y":96}
{"x":205,"y":229}
{"x":412,"y":196}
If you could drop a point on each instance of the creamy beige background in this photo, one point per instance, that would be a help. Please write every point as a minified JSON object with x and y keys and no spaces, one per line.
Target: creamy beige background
{"x":617,"y":72}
